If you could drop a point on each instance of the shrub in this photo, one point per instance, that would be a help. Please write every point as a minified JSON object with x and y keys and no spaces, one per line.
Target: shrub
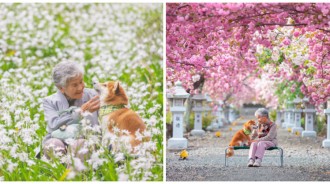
{"x":321,"y":125}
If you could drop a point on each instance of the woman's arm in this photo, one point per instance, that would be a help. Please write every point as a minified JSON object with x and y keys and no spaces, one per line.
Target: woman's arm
{"x":270,"y":136}
{"x":54,"y":120}
{"x":254,"y":134}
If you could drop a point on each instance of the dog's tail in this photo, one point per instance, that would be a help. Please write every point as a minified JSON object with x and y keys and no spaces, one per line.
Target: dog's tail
{"x":230,"y":151}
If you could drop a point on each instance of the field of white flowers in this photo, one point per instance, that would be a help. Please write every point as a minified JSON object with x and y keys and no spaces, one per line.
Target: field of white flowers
{"x":113,"y":42}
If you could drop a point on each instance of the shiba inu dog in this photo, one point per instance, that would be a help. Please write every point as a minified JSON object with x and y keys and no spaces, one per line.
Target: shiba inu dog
{"x":241,"y":137}
{"x":114,"y":113}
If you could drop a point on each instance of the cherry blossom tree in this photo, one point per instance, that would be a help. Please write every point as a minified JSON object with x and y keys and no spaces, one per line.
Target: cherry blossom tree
{"x":248,"y":51}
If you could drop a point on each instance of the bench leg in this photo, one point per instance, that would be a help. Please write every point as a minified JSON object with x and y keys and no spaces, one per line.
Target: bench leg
{"x":226,"y":157}
{"x":281,"y":156}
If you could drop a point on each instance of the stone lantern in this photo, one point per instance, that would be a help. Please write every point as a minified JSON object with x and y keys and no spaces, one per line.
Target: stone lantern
{"x":286,"y":117}
{"x":209,"y":102}
{"x":198,"y":109}
{"x":309,"y":111}
{"x":278,"y":117}
{"x":177,"y":99}
{"x":219,"y":115}
{"x":290,"y":118}
{"x":208,"y":109}
{"x":297,"y":116}
{"x":326,"y":142}
{"x":232,"y":115}
{"x":282,"y":117}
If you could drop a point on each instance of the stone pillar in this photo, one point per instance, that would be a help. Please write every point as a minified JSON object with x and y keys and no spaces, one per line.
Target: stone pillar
{"x":278,"y":118}
{"x":231,"y":114}
{"x":297,"y":116}
{"x":220,"y":115}
{"x":297,"y":119}
{"x":226,"y":113}
{"x":309,"y":119}
{"x":290,"y":123}
{"x":209,"y":109}
{"x":291,"y":120}
{"x":198,"y":109}
{"x":178,"y":142}
{"x":285,"y":116}
{"x":282,"y":117}
{"x":326,"y":142}
{"x":216,"y":121}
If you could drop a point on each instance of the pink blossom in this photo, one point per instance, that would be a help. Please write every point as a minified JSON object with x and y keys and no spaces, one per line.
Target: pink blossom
{"x":220,"y":40}
{"x":286,"y":41}
{"x":223,"y":12}
{"x":296,"y":33}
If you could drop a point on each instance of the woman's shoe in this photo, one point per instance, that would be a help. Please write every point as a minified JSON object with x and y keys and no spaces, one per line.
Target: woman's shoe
{"x":251,"y":162}
{"x":257,"y":163}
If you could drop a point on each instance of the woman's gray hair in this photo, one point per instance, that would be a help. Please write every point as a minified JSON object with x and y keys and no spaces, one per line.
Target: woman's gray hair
{"x":262,"y":112}
{"x":64,"y":71}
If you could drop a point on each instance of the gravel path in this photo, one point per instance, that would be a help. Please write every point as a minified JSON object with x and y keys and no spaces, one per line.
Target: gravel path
{"x":304,"y":160}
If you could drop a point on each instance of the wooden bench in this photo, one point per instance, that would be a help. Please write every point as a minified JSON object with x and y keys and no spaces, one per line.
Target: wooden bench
{"x":247,"y":147}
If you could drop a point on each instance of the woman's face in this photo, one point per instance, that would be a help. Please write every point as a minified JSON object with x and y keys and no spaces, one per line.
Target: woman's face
{"x":74,"y":88}
{"x":262,"y":119}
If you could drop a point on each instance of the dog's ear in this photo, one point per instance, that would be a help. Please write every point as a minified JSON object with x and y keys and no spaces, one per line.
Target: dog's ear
{"x":116,"y":87}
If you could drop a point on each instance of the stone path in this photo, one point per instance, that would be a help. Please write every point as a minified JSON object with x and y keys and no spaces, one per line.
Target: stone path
{"x":304,"y":160}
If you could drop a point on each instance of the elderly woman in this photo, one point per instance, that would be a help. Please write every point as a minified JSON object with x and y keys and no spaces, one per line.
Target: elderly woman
{"x":71,"y":93}
{"x":262,"y":138}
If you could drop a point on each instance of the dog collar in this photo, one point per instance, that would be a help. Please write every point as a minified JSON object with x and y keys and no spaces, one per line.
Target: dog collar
{"x":107,"y":109}
{"x":246,"y":132}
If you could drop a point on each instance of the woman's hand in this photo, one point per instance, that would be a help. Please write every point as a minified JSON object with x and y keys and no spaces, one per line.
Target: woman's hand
{"x":92,"y":105}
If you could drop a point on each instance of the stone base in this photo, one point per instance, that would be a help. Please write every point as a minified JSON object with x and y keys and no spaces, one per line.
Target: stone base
{"x":289,"y":126}
{"x":197,"y":132}
{"x":297,"y":129}
{"x":209,"y":128}
{"x":213,"y":127}
{"x":177,"y":143}
{"x":326,"y":143}
{"x":308,"y":134}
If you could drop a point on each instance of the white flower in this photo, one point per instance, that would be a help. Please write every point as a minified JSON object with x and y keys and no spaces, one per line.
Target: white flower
{"x":125,"y":132}
{"x":71,"y":175}
{"x":83,"y":150}
{"x":138,"y":136}
{"x":95,"y":161}
{"x":30,"y":162}
{"x":152,"y":110}
{"x":11,"y":166}
{"x":66,"y":159}
{"x":119,"y":157}
{"x":13,"y":151}
{"x":78,"y":165}
{"x":123,"y":177}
